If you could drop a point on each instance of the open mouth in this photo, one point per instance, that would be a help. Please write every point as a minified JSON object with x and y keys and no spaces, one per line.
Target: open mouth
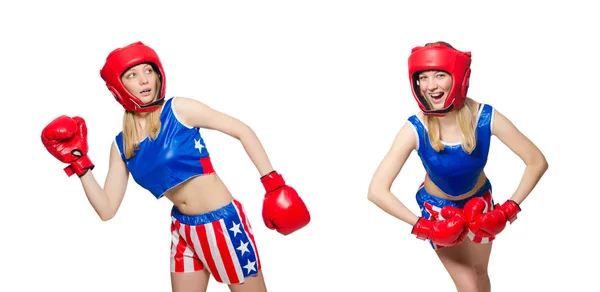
{"x":437,"y":97}
{"x":146,"y":92}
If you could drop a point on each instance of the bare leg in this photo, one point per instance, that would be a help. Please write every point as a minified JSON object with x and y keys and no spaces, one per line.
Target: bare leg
{"x":190,"y":282}
{"x":456,"y":260}
{"x":480,"y":258}
{"x":251,"y":284}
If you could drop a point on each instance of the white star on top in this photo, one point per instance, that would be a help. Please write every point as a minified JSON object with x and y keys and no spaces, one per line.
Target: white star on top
{"x":243,"y":247}
{"x":198,"y":145}
{"x":235,"y":229}
{"x":250,"y":266}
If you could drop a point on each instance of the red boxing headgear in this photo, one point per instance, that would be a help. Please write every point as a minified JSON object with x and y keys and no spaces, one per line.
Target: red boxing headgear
{"x":120,"y":60}
{"x":443,"y":58}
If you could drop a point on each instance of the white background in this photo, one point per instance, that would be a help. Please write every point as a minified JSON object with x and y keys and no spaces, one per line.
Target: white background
{"x":324,"y":84}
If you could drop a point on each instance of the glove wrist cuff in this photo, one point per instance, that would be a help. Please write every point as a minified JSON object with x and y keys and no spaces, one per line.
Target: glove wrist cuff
{"x":511,"y":209}
{"x":80,"y":166}
{"x":272,"y":181}
{"x":421,"y":229}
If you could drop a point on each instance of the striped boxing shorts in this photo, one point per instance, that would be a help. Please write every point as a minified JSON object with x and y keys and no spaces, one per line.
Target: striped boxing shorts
{"x":431,"y":206}
{"x":220,"y":241}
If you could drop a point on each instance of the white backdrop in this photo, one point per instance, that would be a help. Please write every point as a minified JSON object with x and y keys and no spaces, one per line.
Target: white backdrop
{"x":324,"y":84}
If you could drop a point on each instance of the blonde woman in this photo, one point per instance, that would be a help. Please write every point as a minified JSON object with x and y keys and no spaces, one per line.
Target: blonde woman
{"x":451,"y":135}
{"x":162,"y":148}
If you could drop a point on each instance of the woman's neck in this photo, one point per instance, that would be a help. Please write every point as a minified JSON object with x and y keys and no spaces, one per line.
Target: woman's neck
{"x":141,"y":121}
{"x":141,"y":115}
{"x":448,"y":119}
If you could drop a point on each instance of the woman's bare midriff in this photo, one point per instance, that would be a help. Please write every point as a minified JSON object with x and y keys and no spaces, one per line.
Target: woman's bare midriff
{"x":200,"y":194}
{"x":433,"y":189}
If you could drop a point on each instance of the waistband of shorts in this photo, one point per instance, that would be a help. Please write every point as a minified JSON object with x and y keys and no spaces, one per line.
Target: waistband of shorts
{"x":487,"y":186}
{"x":208,"y":217}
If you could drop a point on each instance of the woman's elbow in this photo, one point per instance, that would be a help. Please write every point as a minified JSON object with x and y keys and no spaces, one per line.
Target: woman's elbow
{"x":373,"y":194}
{"x":540,"y":163}
{"x":106,"y":216}
{"x":544,"y":165}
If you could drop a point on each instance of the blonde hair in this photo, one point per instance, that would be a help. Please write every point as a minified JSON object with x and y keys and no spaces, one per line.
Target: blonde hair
{"x":131,"y":134}
{"x":466,"y":121}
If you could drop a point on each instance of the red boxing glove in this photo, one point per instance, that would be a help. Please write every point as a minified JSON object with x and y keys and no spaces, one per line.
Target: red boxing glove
{"x":447,"y":232}
{"x":66,"y":139}
{"x":283,"y":210}
{"x":490,"y":223}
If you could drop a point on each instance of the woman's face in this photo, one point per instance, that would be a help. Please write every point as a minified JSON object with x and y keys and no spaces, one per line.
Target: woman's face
{"x":435,"y":86}
{"x":141,"y":81}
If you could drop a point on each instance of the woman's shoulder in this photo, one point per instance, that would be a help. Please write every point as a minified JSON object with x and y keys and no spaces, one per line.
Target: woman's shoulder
{"x":474,"y":104}
{"x":178,"y":106}
{"x":480,"y":108}
{"x":418,"y":116}
{"x":416,"y":121}
{"x":477,"y":105}
{"x":181,"y":103}
{"x":186,"y":110}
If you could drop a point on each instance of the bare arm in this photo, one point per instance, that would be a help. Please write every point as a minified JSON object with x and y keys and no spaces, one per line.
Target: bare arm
{"x":381,"y":183}
{"x":197,"y":114}
{"x":536,"y":164}
{"x":106,"y":201}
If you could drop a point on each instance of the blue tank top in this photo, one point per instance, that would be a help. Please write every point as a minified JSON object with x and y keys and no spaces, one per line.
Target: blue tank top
{"x":177,"y":154}
{"x":452,"y":170}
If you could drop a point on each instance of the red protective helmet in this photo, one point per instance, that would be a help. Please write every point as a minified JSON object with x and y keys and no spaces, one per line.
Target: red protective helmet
{"x":443,"y":58}
{"x":120,"y":60}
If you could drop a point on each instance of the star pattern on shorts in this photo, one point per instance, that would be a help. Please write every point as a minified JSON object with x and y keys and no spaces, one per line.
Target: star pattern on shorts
{"x":250,"y":266}
{"x":243,"y":247}
{"x":235,"y":229}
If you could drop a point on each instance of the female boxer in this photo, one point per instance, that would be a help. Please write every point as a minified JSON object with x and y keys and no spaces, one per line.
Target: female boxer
{"x":452,"y":136}
{"x":161,"y":146}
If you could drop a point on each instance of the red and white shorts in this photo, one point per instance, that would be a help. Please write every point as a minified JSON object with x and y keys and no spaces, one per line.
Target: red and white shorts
{"x":220,"y":241}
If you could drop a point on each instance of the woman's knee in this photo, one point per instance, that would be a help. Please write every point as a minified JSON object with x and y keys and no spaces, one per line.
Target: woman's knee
{"x":480,"y":269}
{"x":480,"y":258}
{"x":466,"y":281}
